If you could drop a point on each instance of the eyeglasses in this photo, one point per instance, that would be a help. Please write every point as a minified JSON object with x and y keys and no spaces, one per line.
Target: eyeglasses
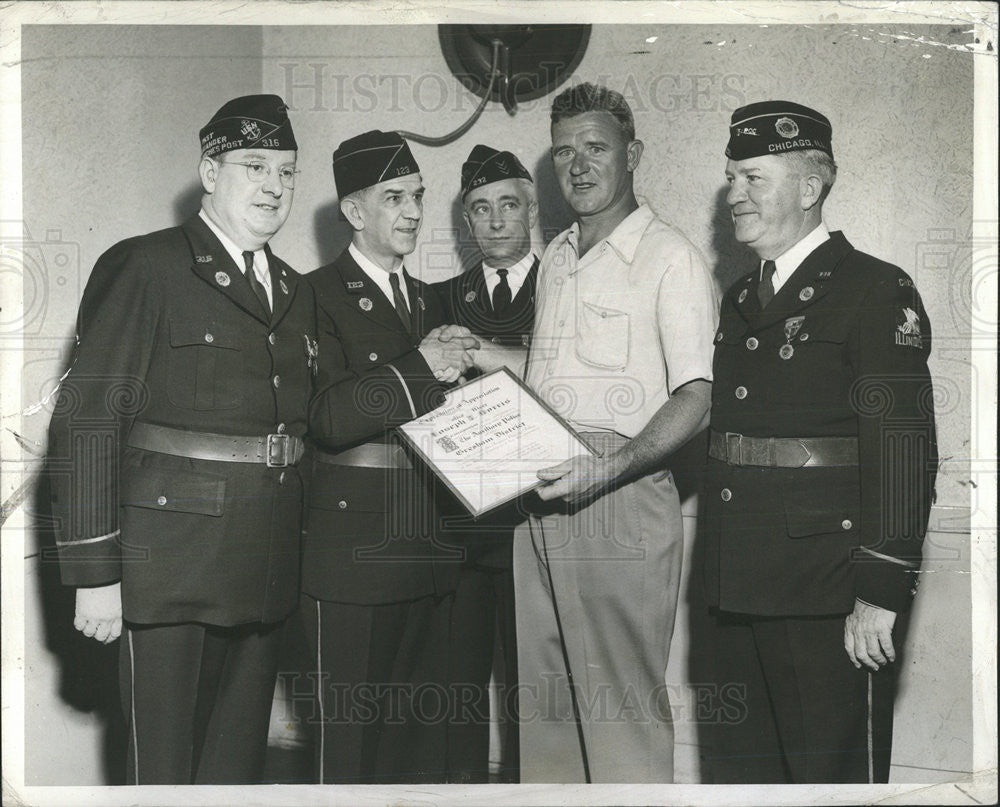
{"x":258,"y":172}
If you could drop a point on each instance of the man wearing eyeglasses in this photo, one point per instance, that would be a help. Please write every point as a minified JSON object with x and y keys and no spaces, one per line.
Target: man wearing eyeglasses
{"x":174,"y":452}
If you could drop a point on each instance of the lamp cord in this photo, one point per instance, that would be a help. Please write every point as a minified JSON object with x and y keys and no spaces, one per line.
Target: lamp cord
{"x":461,"y":130}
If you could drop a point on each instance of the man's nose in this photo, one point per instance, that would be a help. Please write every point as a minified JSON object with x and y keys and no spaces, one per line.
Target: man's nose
{"x":736,"y":193}
{"x":272,"y":184}
{"x":580,"y":164}
{"x":413,"y":209}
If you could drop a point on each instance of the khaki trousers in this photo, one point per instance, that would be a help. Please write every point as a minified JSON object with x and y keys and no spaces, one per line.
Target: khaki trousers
{"x":615,"y":571}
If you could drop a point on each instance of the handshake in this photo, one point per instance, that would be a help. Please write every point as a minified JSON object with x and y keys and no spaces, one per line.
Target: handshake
{"x":449,"y":352}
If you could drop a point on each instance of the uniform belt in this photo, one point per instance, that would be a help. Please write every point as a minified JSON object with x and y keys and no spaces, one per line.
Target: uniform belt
{"x":274,"y":450}
{"x":368,"y":455}
{"x":782,"y":452}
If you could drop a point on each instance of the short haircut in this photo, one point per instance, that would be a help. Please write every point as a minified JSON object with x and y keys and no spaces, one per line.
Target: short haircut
{"x":813,"y":161}
{"x":589,"y":97}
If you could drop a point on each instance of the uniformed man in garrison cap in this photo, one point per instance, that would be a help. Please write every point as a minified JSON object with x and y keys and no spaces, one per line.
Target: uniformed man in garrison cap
{"x":495,"y":299}
{"x":821,"y":470}
{"x":174,"y":452}
{"x":379,"y":573}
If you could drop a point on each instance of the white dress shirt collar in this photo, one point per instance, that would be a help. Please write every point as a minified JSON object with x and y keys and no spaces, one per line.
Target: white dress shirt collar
{"x":379,"y":276}
{"x":516,"y":275}
{"x":786,"y":264}
{"x":260,"y":266}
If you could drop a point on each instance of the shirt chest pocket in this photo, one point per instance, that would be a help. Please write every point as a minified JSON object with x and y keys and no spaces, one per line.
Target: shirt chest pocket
{"x":602,"y":336}
{"x":206,"y":367}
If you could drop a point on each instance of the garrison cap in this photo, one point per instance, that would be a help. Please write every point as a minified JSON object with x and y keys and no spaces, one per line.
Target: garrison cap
{"x":485,"y":165}
{"x":370,"y":158}
{"x":251,"y":121}
{"x":777,"y":127}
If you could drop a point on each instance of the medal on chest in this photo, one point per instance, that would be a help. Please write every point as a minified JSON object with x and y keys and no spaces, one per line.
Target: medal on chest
{"x":792,"y":327}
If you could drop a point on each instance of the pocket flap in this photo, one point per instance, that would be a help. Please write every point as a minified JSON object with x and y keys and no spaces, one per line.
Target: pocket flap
{"x":184,"y":334}
{"x":177,"y":491}
{"x":819,"y":509}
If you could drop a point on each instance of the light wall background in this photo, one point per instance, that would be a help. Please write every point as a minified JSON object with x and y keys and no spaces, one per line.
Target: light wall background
{"x":110,"y":116}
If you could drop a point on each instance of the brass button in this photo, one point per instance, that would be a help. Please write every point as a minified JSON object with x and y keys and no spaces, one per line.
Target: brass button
{"x":162,"y":500}
{"x":342,"y":504}
{"x":209,"y":338}
{"x":373,"y":356}
{"x":281,"y":478}
{"x":718,"y":336}
{"x":846,"y":524}
{"x":281,"y":428}
{"x":272,"y":338}
{"x":804,"y":337}
{"x":752,"y":343}
{"x":741,"y":392}
{"x":726,"y":494}
{"x":276,"y":381}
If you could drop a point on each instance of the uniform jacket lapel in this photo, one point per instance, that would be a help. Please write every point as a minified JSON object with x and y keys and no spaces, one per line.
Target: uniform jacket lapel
{"x":807,"y":285}
{"x":367,"y":296}
{"x":212,"y":263}
{"x":284,"y":286}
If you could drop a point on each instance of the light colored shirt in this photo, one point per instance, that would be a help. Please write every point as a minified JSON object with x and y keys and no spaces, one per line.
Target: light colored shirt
{"x":622,"y":328}
{"x":260,"y":267}
{"x":380,"y":277}
{"x":786,"y":264}
{"x":516,"y":275}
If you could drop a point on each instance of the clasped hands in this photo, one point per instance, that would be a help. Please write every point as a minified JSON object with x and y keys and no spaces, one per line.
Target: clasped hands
{"x":448,"y":351}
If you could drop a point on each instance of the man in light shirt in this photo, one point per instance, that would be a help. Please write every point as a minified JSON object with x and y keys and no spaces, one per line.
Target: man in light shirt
{"x":622,"y":349}
{"x":821,"y":470}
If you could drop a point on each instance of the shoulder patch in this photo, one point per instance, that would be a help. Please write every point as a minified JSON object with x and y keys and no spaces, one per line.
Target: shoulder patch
{"x":908,"y":328}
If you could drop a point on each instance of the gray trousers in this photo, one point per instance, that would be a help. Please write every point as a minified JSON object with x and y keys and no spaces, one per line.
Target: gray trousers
{"x":615,"y":570}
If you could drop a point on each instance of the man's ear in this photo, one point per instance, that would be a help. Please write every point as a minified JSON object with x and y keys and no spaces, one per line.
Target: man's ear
{"x":810,"y":191}
{"x":467,"y":220}
{"x":633,"y":154}
{"x":351,"y":211}
{"x":532,"y":213}
{"x":208,"y":171}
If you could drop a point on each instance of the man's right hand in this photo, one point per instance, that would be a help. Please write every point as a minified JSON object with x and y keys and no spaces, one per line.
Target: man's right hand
{"x":99,"y":612}
{"x":448,"y":351}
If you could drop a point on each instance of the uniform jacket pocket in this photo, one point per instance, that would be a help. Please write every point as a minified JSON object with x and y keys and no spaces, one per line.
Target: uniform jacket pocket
{"x":205,"y":367}
{"x":176,"y":490}
{"x":602,"y":338}
{"x":821,"y":509}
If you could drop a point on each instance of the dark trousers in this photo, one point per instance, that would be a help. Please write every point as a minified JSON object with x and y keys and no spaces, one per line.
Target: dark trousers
{"x":484,"y":608}
{"x":799,"y":711}
{"x":197,"y":700}
{"x":381,"y":675}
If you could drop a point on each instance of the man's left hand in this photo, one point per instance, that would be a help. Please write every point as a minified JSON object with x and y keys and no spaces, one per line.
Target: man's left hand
{"x":579,"y":478}
{"x":868,"y":636}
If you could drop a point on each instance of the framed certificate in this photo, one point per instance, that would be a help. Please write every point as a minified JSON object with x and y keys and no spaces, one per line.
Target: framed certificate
{"x":489,"y":439}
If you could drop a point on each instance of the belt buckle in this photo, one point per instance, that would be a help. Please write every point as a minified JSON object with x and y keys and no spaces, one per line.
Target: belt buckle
{"x":734,"y":448}
{"x":273,"y":441}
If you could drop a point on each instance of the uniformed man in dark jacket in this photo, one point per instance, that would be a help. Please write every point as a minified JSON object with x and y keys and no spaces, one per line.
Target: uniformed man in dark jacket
{"x":821,"y":471}
{"x":379,"y":563}
{"x":495,"y":299}
{"x":174,"y":451}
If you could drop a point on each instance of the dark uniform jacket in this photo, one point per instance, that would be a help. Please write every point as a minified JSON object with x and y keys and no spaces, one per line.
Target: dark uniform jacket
{"x":467,"y":302}
{"x":804,"y":541}
{"x":170,"y":333}
{"x":375,"y":535}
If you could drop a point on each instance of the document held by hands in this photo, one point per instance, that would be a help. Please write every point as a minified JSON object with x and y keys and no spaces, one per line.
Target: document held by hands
{"x":489,"y":439}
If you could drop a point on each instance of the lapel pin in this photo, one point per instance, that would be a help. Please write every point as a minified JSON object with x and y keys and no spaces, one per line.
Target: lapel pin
{"x":470,"y":297}
{"x":420,"y":302}
{"x":806,"y":293}
{"x":222,"y":278}
{"x":355,"y":284}
{"x":365,"y":304}
{"x":284,"y":286}
{"x":786,"y":352}
{"x":742,"y":297}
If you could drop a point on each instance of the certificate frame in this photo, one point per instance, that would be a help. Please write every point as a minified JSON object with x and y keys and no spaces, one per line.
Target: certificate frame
{"x":434,"y":438}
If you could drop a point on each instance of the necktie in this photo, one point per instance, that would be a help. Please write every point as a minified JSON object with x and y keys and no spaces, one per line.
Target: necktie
{"x":255,"y":285}
{"x":399,"y":300}
{"x":501,"y":294}
{"x":765,"y":291}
